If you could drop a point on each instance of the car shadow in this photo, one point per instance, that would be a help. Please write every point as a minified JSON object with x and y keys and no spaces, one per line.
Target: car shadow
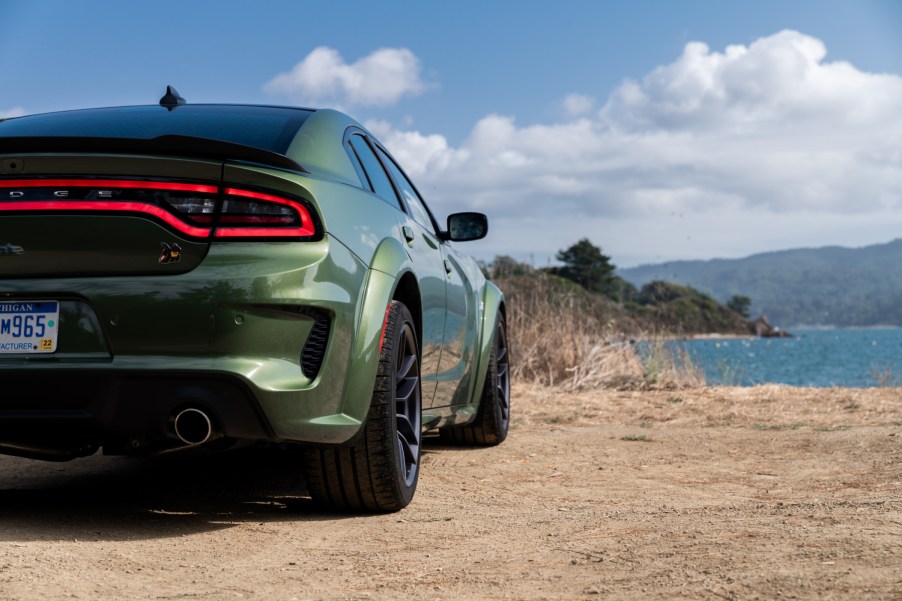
{"x":128,"y":498}
{"x":135,"y":498}
{"x":433,"y":443}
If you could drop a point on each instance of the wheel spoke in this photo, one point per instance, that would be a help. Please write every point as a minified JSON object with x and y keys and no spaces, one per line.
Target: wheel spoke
{"x":405,"y":389}
{"x":503,"y":377}
{"x":408,"y":368}
{"x":405,"y":429}
{"x":502,"y":354}
{"x":408,"y":445}
{"x":504,"y":380}
{"x":408,"y":453}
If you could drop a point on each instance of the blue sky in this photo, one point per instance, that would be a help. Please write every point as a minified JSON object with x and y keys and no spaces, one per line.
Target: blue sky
{"x":638,"y":158}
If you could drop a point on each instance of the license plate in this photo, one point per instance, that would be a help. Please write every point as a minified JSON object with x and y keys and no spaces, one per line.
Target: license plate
{"x":29,"y":326}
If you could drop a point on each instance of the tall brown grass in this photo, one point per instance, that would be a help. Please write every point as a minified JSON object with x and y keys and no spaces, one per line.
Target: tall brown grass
{"x":563,"y":337}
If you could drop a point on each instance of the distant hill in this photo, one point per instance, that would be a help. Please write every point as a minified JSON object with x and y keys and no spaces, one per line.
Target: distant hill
{"x":821,"y":286}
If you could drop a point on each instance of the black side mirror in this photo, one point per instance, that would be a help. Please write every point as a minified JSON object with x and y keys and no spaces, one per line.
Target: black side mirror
{"x":467,"y":226}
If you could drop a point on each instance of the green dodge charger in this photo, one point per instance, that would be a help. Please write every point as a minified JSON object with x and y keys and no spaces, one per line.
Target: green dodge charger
{"x":179,"y":275}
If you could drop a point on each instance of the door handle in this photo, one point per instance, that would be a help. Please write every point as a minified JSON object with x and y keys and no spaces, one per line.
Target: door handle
{"x":408,"y":234}
{"x":448,"y":267}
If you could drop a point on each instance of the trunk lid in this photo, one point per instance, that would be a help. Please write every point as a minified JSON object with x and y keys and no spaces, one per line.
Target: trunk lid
{"x":64,"y":215}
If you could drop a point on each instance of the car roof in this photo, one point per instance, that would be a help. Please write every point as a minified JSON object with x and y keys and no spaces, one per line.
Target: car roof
{"x":267,"y":128}
{"x":311,"y":138}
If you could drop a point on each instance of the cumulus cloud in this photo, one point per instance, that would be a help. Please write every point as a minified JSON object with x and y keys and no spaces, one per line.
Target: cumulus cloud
{"x":379,"y":79}
{"x":16,"y":111}
{"x":420,"y":154}
{"x":772,"y":139}
{"x":577,"y":105}
{"x":778,"y":80}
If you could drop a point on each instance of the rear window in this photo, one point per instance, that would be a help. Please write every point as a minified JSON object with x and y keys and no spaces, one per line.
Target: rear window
{"x":268,"y":128}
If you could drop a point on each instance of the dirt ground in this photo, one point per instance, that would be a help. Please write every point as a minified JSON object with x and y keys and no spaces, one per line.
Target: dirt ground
{"x":710,"y":493}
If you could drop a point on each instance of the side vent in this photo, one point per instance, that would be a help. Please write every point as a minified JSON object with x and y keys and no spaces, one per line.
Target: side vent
{"x":315,"y":347}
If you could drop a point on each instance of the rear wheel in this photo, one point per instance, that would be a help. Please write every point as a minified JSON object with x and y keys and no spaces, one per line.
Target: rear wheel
{"x":379,"y":472}
{"x":493,"y":417}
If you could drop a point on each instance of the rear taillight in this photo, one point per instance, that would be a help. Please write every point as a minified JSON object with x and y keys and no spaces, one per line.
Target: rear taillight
{"x":246,"y":213}
{"x":195,"y":210}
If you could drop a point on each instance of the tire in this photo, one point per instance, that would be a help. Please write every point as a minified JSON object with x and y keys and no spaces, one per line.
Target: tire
{"x":379,"y":473}
{"x":492,"y":420}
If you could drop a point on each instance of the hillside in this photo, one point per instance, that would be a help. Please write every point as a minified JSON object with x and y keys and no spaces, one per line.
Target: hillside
{"x":660,"y":307}
{"x":823,"y":286}
{"x":573,"y":339}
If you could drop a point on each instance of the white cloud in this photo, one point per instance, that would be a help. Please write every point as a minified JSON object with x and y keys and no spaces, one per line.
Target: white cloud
{"x":16,"y":111}
{"x":381,"y":78}
{"x":753,"y":148}
{"x":420,"y":154}
{"x":778,"y":80}
{"x":577,"y":105}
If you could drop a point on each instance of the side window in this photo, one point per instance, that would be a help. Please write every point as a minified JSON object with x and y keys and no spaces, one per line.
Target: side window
{"x":418,"y":209}
{"x":378,"y":180}
{"x":358,"y":167}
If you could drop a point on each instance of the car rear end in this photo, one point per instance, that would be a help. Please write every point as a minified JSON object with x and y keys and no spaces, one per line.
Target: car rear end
{"x":166,"y":289}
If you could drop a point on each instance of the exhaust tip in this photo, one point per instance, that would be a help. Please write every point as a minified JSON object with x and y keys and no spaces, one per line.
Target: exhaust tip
{"x":193,"y":426}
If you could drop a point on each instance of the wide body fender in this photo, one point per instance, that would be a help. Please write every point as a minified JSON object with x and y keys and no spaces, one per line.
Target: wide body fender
{"x":389,"y":263}
{"x":492,"y":306}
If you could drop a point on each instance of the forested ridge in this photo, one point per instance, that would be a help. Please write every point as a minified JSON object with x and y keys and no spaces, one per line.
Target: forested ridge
{"x":832,"y":285}
{"x":586,"y":282}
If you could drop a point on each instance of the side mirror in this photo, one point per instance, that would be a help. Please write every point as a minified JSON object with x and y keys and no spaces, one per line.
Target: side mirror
{"x":467,"y":226}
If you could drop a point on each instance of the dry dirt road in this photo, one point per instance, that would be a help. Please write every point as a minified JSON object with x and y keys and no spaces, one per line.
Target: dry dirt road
{"x":710,"y":493}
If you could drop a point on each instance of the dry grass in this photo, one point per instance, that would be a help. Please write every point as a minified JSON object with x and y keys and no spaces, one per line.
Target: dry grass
{"x":669,"y":366}
{"x":561,"y":343}
{"x":769,"y":407}
{"x":561,"y":339}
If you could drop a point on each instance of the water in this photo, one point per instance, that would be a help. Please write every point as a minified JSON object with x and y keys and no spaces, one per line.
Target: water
{"x":853,"y":357}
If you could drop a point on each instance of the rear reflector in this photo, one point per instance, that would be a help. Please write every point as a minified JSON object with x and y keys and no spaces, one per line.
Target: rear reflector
{"x":195,"y":210}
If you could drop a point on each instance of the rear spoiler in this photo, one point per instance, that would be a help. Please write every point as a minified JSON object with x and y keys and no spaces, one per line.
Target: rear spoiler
{"x":185,"y":146}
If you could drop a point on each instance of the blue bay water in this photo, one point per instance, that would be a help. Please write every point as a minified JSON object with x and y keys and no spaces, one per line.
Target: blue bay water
{"x":853,"y":357}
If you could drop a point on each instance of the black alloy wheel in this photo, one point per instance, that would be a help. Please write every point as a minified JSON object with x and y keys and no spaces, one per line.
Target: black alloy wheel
{"x":503,"y":388}
{"x":408,"y":403}
{"x":492,"y":421}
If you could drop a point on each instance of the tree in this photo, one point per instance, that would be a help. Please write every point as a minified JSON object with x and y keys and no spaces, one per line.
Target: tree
{"x":741,"y":304}
{"x":587,"y":266}
{"x":506,"y":266}
{"x":623,"y":291}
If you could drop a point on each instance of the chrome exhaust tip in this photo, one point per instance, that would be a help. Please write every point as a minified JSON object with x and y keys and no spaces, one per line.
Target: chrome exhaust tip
{"x":193,"y":426}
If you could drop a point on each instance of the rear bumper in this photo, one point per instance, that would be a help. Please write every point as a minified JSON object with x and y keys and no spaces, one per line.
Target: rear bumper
{"x":62,"y":413}
{"x":230,"y":337}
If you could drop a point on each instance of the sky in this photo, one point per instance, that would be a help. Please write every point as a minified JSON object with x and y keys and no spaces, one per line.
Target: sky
{"x":659,"y":130}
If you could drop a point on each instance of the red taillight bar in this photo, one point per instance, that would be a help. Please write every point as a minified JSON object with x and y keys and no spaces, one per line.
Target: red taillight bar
{"x":91,"y":205}
{"x":306,"y":229}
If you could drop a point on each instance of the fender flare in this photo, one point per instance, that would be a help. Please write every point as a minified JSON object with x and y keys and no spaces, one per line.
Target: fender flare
{"x":389,"y":264}
{"x":493,"y":304}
